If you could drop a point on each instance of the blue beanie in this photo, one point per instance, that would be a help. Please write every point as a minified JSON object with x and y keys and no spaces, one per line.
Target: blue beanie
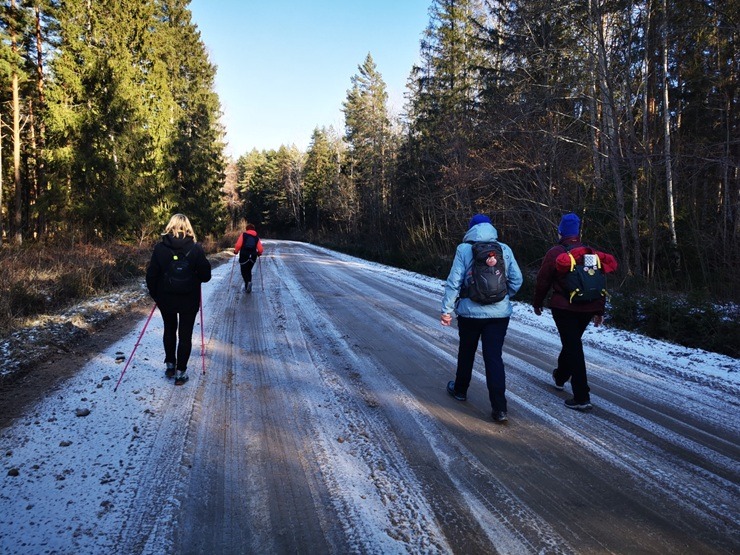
{"x":479,"y":219}
{"x":570,"y":225}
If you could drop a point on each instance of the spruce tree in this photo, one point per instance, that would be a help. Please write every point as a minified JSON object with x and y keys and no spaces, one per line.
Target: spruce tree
{"x":10,"y":68}
{"x":16,"y":31}
{"x":195,"y":154}
{"x":371,"y":151}
{"x":319,"y":173}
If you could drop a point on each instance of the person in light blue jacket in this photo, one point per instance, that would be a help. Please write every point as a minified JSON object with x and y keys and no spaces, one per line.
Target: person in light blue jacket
{"x":480,"y":322}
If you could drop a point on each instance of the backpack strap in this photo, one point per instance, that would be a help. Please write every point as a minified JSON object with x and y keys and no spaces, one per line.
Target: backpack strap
{"x":180,"y":251}
{"x":572,"y":261}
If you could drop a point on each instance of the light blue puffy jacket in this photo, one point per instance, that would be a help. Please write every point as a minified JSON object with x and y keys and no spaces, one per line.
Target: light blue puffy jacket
{"x":459,"y":275}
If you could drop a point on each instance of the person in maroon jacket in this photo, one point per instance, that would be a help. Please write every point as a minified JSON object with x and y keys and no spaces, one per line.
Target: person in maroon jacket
{"x":249,"y":248}
{"x":571,"y":318}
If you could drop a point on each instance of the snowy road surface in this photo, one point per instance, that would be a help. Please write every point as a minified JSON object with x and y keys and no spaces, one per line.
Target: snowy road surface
{"x":322,"y":425}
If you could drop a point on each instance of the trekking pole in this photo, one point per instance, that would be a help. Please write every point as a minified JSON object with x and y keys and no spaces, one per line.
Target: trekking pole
{"x":135,"y":346}
{"x":202,"y":337}
{"x":262,"y":278}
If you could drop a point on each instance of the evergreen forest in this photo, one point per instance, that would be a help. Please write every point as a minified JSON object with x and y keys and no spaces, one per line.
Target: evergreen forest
{"x":625,"y":112}
{"x":109,"y":120}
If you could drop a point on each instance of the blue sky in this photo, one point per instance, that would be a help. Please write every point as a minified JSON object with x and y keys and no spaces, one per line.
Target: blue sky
{"x":284,"y":67}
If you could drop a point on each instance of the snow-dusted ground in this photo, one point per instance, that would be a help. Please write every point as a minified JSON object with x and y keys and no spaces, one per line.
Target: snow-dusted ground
{"x":116,"y":479}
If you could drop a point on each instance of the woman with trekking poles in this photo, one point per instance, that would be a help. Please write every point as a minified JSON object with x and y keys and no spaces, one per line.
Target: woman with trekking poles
{"x":177,"y":268}
{"x":249,"y":248}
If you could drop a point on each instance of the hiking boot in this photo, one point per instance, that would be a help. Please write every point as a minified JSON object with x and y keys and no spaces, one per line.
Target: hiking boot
{"x":249,"y":287}
{"x":451,"y":391}
{"x":560,"y":386}
{"x":170,"y":371}
{"x":181,"y":378}
{"x":578,"y":405}
{"x":499,"y":416}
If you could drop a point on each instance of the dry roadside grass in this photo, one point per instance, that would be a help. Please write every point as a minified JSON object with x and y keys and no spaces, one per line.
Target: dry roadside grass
{"x":59,"y":303}
{"x":43,"y":278}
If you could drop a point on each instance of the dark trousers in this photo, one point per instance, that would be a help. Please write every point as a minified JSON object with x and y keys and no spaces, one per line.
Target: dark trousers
{"x":246,"y":270}
{"x":571,"y":361}
{"x":491,"y":332}
{"x":185,"y":327}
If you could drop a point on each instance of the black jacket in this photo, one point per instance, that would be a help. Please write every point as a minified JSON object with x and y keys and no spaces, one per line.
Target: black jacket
{"x":156,"y":282}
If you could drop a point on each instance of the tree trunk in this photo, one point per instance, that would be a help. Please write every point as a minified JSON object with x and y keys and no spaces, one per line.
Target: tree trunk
{"x":18,"y":213}
{"x":41,"y":136}
{"x":2,"y":229}
{"x":611,"y":132}
{"x":646,"y":163}
{"x":667,"y":139}
{"x":32,"y":172}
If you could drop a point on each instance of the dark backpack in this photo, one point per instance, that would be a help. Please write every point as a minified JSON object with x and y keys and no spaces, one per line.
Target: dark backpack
{"x":583,"y":284}
{"x":180,"y":274}
{"x":487,"y":283}
{"x":248,"y":252}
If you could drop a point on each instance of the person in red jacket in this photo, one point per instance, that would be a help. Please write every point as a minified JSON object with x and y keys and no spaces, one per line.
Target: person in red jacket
{"x":571,"y":318}
{"x":249,"y":248}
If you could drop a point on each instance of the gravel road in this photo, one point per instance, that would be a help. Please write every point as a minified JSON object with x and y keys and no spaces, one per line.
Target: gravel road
{"x":322,"y":425}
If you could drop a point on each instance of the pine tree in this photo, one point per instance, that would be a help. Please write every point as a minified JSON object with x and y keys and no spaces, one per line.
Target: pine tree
{"x":16,"y":30}
{"x":319,"y":174}
{"x":258,"y":173}
{"x":447,"y":85}
{"x":230,"y":193}
{"x":289,"y":162}
{"x":442,"y":117}
{"x":113,"y":139}
{"x":10,"y":64}
{"x":44,"y":35}
{"x":368,"y":134}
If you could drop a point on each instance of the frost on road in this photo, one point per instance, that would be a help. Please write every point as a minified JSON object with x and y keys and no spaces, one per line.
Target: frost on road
{"x":322,"y":425}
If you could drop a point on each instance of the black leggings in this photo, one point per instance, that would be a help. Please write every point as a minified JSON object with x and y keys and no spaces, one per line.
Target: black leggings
{"x":186,"y":325}
{"x":246,"y":269}
{"x":571,"y":361}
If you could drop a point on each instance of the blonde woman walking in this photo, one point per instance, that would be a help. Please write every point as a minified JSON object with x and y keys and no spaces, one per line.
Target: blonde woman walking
{"x":176,"y":270}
